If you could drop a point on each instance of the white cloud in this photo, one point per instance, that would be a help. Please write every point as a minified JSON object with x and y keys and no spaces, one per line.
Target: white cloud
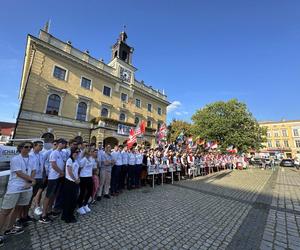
{"x":178,"y":113}
{"x":185,"y":112}
{"x":173,"y":106}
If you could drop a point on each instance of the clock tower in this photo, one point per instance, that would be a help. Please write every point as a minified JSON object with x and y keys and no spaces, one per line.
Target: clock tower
{"x":122,"y":50}
{"x":121,"y":59}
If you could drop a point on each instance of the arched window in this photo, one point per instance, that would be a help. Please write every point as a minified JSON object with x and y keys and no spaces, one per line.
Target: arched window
{"x":53,"y":104}
{"x":122,"y":117}
{"x":81,"y":111}
{"x":136,"y":120}
{"x":158,"y":125}
{"x":48,"y":137}
{"x":104,"y":112}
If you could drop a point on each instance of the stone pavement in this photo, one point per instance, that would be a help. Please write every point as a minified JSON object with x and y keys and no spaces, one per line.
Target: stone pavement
{"x":226,"y":210}
{"x":282,"y":229}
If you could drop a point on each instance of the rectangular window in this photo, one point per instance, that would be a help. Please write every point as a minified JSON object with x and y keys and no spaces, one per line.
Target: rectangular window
{"x":138,"y":103}
{"x":296,"y":132}
{"x":268,"y":134}
{"x":59,"y":73}
{"x":149,"y":107}
{"x":276,"y":134}
{"x":159,"y":111}
{"x":269,"y":144}
{"x":284,"y":133}
{"x":297,"y":143}
{"x":86,"y":83}
{"x":277,"y":144}
{"x":106,"y":91}
{"x":286,"y":143}
{"x":124,"y":97}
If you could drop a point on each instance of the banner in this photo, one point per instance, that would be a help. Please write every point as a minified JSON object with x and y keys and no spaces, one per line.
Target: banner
{"x":7,"y":152}
{"x":123,"y":129}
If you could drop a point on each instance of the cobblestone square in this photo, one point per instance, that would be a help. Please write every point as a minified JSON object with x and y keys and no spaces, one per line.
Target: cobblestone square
{"x":249,"y":209}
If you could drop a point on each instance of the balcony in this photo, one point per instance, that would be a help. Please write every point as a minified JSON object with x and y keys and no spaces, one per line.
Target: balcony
{"x":109,"y":123}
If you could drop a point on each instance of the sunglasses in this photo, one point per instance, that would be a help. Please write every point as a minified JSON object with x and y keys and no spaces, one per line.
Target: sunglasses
{"x":27,"y":147}
{"x":77,"y":152}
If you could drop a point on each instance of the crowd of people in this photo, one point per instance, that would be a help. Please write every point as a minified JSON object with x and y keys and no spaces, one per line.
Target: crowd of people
{"x":71,"y":176}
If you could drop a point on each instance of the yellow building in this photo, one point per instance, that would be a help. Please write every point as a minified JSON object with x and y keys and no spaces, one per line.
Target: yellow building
{"x":68,"y":93}
{"x":283,"y":137}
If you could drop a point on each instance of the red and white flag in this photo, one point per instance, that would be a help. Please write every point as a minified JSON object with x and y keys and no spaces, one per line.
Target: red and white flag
{"x":132,"y":138}
{"x":140,"y":128}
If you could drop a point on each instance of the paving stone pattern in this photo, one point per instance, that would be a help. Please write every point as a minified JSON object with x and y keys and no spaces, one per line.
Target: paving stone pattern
{"x":282,"y":230}
{"x":203,"y":213}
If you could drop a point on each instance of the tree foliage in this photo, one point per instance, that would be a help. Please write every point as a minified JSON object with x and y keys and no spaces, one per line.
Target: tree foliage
{"x":228,"y":123}
{"x":176,"y":127}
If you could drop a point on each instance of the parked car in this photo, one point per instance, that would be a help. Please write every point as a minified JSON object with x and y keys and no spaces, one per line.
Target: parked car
{"x":256,"y":161}
{"x":287,"y":163}
{"x":297,"y":163}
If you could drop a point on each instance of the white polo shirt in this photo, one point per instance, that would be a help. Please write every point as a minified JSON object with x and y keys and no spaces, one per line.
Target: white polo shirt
{"x":125,"y":158}
{"x":86,"y":166}
{"x":74,"y":166}
{"x":58,"y":157}
{"x":19,"y":163}
{"x":139,"y":158}
{"x":38,"y":164}
{"x":117,"y":156}
{"x":131,"y":159}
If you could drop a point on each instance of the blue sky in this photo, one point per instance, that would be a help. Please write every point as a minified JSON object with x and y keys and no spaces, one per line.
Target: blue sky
{"x":197,"y":51}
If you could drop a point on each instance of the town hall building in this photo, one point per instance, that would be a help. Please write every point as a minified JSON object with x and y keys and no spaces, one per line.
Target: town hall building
{"x":67,"y":93}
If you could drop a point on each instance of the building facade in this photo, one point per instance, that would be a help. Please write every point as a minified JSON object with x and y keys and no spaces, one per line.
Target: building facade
{"x":283,"y":137}
{"x":68,"y":93}
{"x":6,"y":131}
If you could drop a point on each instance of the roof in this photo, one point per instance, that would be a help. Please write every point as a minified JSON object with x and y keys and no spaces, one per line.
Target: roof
{"x":274,"y":122}
{"x":7,"y":125}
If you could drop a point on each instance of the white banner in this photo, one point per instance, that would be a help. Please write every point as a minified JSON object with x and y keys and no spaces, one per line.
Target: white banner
{"x":7,"y":152}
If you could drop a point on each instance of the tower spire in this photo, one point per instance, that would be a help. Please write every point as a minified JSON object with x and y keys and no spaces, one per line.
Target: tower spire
{"x":47,"y":26}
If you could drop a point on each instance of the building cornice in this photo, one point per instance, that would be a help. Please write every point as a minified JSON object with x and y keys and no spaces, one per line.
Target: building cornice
{"x":72,"y":58}
{"x":279,"y":122}
{"x":51,"y":119}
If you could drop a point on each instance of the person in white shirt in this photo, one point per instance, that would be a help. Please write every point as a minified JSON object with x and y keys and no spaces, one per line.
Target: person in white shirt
{"x":46,"y":156}
{"x":124,"y":170}
{"x":55,"y":179}
{"x":19,"y":190}
{"x":107,"y":163}
{"x":138,"y":168}
{"x":131,"y":168}
{"x":71,"y":187}
{"x":86,"y":181}
{"x":116,"y":171}
{"x":39,"y":176}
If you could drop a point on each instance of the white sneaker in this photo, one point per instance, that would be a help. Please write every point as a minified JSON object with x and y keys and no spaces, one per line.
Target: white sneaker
{"x":38,"y":211}
{"x":81,"y":210}
{"x":87,"y":209}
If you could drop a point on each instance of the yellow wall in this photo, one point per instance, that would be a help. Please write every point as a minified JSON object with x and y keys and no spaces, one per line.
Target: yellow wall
{"x":274,"y":128}
{"x":42,"y":76}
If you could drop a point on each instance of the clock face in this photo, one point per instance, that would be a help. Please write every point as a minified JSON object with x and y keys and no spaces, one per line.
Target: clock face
{"x":125,"y":74}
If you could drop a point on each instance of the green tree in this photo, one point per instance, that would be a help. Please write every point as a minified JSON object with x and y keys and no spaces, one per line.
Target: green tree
{"x":176,"y":127}
{"x":228,"y":123}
